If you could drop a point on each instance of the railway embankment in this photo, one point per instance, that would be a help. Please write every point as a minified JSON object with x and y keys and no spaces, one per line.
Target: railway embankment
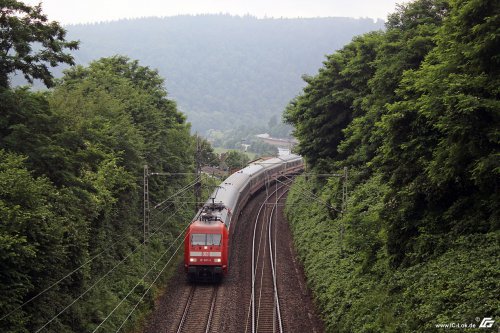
{"x":354,"y":285}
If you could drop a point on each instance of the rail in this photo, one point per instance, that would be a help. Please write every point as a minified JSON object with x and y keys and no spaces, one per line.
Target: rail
{"x":268,"y":295}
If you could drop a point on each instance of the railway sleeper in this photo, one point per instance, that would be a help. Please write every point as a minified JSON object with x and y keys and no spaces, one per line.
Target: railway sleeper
{"x":209,"y":274}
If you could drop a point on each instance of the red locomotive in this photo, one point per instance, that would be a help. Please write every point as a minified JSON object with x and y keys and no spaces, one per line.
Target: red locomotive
{"x":206,"y":246}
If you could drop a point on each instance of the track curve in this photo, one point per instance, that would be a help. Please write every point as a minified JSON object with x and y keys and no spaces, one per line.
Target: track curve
{"x":232,"y":305}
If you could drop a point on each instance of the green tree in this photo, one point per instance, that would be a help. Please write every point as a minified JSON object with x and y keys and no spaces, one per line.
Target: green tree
{"x":331,"y":100}
{"x":441,"y":150}
{"x":35,"y":248}
{"x":116,"y":118}
{"x":423,"y":153}
{"x":30,"y":43}
{"x":206,"y":155}
{"x":235,"y":160}
{"x":86,"y":142}
{"x":28,"y":126}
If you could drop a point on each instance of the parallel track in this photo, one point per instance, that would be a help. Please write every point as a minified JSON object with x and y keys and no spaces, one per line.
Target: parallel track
{"x":265,"y":306}
{"x":199,"y":309}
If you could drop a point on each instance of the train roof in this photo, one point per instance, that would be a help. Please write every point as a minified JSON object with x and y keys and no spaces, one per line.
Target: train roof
{"x":251,"y":169}
{"x":207,"y":226}
{"x":228,"y":191}
{"x":277,"y":160}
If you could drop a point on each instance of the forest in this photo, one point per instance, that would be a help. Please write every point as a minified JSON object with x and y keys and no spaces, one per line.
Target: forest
{"x":223,"y":71}
{"x":413,"y":113}
{"x":73,"y":253}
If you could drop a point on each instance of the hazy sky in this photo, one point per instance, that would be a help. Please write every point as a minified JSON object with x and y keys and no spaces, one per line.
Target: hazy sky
{"x":81,"y":11}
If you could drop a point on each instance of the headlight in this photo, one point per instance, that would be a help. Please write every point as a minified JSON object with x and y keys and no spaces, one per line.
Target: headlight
{"x":193,"y":260}
{"x":217,"y":260}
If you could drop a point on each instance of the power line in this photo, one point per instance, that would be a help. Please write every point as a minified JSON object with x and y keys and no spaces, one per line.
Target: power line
{"x":311,"y":195}
{"x":182,"y":190}
{"x":147,"y":290}
{"x":88,"y":289}
{"x":83,"y":265}
{"x":146,"y":210}
{"x":102,"y":277}
{"x":142,"y":279}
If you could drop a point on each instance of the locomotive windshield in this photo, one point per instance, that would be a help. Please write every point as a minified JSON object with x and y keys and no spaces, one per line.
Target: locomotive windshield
{"x":206,"y":239}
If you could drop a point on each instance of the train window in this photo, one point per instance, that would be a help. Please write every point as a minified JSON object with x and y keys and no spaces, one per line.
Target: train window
{"x":214,"y":239}
{"x":198,"y":239}
{"x":206,"y":239}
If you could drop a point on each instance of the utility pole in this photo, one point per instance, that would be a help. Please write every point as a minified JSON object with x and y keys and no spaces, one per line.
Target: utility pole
{"x":197,"y":187}
{"x":344,"y":191}
{"x":146,"y":205}
{"x":343,"y":210}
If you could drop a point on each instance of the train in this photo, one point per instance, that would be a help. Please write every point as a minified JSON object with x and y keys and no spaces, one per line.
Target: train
{"x":206,"y":245}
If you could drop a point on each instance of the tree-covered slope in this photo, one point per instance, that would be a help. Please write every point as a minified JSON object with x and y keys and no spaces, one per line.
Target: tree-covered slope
{"x":72,"y":248}
{"x":223,"y":71}
{"x":413,"y":113}
{"x":74,"y":256}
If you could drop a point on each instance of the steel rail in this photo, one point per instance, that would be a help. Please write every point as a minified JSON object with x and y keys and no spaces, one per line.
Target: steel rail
{"x":252,"y":300}
{"x":186,"y":309}
{"x":273,"y":264}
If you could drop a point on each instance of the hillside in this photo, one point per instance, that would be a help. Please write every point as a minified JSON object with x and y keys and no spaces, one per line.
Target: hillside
{"x":223,"y":70}
{"x":409,"y":239}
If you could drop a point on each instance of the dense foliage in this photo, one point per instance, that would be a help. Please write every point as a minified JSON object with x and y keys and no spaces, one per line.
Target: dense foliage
{"x":73,"y":253}
{"x":414,"y":113}
{"x":30,"y":43}
{"x":234,"y":160}
{"x":224,"y":71}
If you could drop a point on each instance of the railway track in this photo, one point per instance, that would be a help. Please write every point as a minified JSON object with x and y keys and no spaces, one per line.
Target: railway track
{"x":192,"y":308}
{"x":199,"y":309}
{"x":265,"y":312}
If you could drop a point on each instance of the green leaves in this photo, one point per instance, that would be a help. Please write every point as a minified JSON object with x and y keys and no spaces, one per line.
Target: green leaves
{"x":87,"y":142}
{"x":30,"y":234}
{"x":423,"y":153}
{"x":29,"y":43}
{"x":235,"y":160}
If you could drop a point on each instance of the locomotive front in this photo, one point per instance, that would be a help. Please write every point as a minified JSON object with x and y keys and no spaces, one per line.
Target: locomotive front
{"x":206,"y":249}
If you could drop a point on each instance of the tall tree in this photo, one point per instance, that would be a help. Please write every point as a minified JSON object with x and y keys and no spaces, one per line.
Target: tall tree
{"x":441,"y":148}
{"x":30,"y":43}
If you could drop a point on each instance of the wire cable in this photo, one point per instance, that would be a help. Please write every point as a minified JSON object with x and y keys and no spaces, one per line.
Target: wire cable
{"x":88,"y":289}
{"x":311,"y":195}
{"x":142,"y":279}
{"x":147,"y":290}
{"x":85,"y":263}
{"x":102,"y":277}
{"x":184,"y":189}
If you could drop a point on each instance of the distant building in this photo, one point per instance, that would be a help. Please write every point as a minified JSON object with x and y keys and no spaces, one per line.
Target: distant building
{"x":283,"y":151}
{"x":280,"y":143}
{"x":263,"y":136}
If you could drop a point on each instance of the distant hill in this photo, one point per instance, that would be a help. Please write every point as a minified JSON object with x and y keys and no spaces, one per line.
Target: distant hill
{"x":224,"y":70}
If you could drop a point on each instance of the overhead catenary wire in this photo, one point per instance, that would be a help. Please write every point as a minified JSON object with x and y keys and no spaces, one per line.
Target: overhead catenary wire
{"x":142,"y":279}
{"x":87,"y":290}
{"x":147,"y":290}
{"x":152,"y":283}
{"x":106,"y":274}
{"x":73,"y":272}
{"x":182,"y":190}
{"x":158,"y":212}
{"x":89,"y":261}
{"x":171,"y":201}
{"x":310,"y":195}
